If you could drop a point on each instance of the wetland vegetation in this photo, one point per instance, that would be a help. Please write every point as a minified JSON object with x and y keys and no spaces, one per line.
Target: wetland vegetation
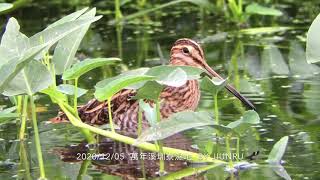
{"x":58,"y":55}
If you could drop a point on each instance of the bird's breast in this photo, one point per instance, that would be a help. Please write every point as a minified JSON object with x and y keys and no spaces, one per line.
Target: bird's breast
{"x":176,"y":99}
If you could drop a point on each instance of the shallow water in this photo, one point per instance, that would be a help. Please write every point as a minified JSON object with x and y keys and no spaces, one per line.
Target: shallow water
{"x":287,"y":94}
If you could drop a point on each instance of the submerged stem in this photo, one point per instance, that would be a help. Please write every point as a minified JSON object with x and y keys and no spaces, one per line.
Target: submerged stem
{"x":110,"y":115}
{"x":37,"y":138}
{"x":23,"y":118}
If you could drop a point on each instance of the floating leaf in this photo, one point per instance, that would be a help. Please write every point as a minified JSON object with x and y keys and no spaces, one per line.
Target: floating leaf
{"x":33,"y":78}
{"x":278,"y":150}
{"x":108,"y":88}
{"x":151,"y":90}
{"x":64,"y":53}
{"x":213,"y":85}
{"x":255,"y":8}
{"x":298,"y":64}
{"x":5,"y":6}
{"x":176,"y":123}
{"x":69,"y":89}
{"x":273,"y":62}
{"x":313,"y":42}
{"x":86,"y":65}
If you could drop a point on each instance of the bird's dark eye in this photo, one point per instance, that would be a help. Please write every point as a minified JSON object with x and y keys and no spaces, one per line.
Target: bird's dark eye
{"x":185,"y":50}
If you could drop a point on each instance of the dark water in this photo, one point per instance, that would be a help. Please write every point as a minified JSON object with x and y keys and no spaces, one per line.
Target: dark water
{"x":285,"y":90}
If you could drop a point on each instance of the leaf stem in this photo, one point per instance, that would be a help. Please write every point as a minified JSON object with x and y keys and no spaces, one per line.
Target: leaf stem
{"x":161,"y":163}
{"x":110,"y":115}
{"x":23,"y":118}
{"x":190,"y":156}
{"x":216,"y":110}
{"x":238,"y":148}
{"x":37,"y":138}
{"x":227,"y":138}
{"x":75,"y":99}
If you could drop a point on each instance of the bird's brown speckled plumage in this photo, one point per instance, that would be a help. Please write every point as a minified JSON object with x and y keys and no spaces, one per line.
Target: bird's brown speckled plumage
{"x":185,"y":52}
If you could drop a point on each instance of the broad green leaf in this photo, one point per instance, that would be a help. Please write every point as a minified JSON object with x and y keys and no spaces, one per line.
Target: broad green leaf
{"x":68,"y":18}
{"x":273,"y":62}
{"x":33,"y":78}
{"x":299,"y":67}
{"x":5,"y":6}
{"x":64,"y":53}
{"x":278,"y":150}
{"x":249,"y":118}
{"x":50,"y":36}
{"x":264,"y":30}
{"x":176,"y":123}
{"x":13,"y":40}
{"x":113,"y":85}
{"x":255,"y":8}
{"x":150,"y":90}
{"x":176,"y":78}
{"x":249,"y":87}
{"x":69,"y":89}
{"x":313,"y":41}
{"x":55,"y":95}
{"x":10,"y":69}
{"x":149,"y":112}
{"x":86,"y":65}
{"x":162,"y":72}
{"x":213,"y":85}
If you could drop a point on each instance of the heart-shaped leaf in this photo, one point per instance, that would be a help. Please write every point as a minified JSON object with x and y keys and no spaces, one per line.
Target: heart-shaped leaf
{"x":86,"y":65}
{"x":213,"y":85}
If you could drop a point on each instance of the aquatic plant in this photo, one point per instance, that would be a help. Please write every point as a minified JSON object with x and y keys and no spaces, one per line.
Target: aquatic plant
{"x":21,"y":57}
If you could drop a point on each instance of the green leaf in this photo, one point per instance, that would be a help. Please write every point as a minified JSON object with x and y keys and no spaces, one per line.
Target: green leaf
{"x":162,"y":72}
{"x":69,"y":89}
{"x":150,"y":90}
{"x":213,"y":85}
{"x":55,"y":95}
{"x":313,"y":41}
{"x":255,"y":8}
{"x":86,"y":65}
{"x":273,"y":62}
{"x":149,"y":112}
{"x":5,"y":6}
{"x":50,"y":36}
{"x":64,"y":54}
{"x":6,"y":114}
{"x":176,"y":123}
{"x":299,"y":67}
{"x":249,"y":118}
{"x":278,"y":150}
{"x":68,"y":18}
{"x":110,"y":87}
{"x":33,"y":78}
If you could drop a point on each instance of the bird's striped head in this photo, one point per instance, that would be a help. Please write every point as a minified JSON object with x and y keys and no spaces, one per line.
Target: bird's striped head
{"x":187,"y":52}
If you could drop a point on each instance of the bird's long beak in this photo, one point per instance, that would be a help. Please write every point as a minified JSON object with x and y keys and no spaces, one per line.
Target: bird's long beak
{"x":231,"y":89}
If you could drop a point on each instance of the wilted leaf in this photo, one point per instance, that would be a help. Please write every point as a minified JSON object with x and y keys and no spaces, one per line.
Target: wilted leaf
{"x":176,"y":123}
{"x":69,"y":89}
{"x":278,"y":150}
{"x":313,"y":42}
{"x":86,"y":65}
{"x":33,"y":78}
{"x":113,"y":85}
{"x":213,"y":85}
{"x":255,"y":8}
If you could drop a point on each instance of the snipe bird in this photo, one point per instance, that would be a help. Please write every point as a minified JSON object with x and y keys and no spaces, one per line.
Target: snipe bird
{"x":185,"y":52}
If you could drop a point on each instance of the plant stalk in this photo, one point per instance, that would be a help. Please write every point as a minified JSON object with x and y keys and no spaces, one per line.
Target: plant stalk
{"x":37,"y":138}
{"x":75,"y":99}
{"x":227,"y":138}
{"x":216,"y":109}
{"x":161,"y":162}
{"x":23,"y":117}
{"x":110,"y":115}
